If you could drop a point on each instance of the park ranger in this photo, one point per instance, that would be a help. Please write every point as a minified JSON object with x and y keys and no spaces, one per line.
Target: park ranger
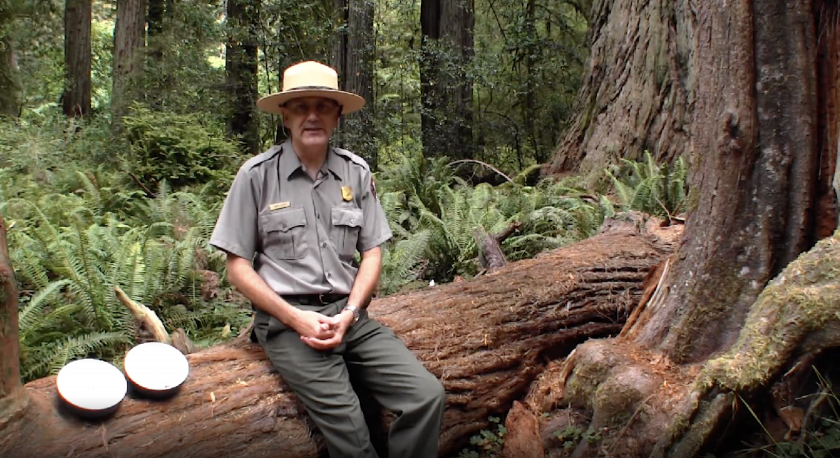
{"x":291,"y":225}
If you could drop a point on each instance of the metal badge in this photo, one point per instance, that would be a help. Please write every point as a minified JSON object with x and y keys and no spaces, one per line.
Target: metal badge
{"x":278,"y":206}
{"x":346,"y":193}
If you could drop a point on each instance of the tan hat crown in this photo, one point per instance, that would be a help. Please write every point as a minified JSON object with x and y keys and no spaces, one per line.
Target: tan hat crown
{"x":309,"y":75}
{"x":310,"y":79}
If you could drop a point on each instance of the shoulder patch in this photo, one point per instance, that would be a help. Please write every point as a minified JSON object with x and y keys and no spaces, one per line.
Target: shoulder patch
{"x":262,"y":157}
{"x":352,"y":157}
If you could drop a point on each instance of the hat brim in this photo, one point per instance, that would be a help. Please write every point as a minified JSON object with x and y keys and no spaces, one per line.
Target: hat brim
{"x":350,"y":102}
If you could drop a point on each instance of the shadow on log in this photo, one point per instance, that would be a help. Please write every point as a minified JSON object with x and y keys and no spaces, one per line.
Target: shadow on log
{"x":486,"y":339}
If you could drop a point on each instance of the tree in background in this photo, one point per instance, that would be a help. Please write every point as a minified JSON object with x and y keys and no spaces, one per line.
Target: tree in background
{"x":353,"y":56}
{"x":9,"y":79}
{"x":129,"y":41}
{"x":642,"y":67}
{"x":241,"y":70}
{"x":77,"y":56}
{"x":445,"y":77}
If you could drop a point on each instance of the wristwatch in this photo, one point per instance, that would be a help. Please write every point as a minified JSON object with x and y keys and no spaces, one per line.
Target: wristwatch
{"x":353,"y":309}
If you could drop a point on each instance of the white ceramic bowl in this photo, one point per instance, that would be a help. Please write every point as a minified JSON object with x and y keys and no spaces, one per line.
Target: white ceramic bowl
{"x":91,"y":387}
{"x":156,"y":369}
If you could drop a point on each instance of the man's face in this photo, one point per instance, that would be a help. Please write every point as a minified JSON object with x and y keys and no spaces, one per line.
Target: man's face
{"x":310,"y":120}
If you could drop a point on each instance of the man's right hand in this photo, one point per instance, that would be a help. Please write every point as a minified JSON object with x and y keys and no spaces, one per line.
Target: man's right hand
{"x":313,"y":324}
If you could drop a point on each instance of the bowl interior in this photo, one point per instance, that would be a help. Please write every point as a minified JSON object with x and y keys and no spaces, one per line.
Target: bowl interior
{"x":91,"y":384}
{"x":156,"y":366}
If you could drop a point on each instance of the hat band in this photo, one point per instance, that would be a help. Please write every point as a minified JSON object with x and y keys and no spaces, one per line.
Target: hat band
{"x":312,"y":88}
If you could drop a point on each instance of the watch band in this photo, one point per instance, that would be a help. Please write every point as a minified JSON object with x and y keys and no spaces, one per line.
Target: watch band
{"x":354,"y":310}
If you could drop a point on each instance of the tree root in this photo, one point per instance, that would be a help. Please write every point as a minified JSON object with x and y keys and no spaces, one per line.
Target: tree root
{"x":684,"y":408}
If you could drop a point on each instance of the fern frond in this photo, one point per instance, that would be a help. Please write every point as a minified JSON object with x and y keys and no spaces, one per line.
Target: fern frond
{"x":28,"y":315}
{"x":56,"y":355}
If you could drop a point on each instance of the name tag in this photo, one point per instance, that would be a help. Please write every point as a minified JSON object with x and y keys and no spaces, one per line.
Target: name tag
{"x":278,"y":206}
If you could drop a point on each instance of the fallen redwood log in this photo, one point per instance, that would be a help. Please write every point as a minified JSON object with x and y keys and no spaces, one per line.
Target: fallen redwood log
{"x":486,"y":339}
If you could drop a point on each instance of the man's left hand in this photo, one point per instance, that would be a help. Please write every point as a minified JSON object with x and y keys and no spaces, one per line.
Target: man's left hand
{"x":340,"y":323}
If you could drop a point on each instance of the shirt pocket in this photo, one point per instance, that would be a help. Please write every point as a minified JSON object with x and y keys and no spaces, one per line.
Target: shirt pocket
{"x":283,"y":233}
{"x":347,"y":222}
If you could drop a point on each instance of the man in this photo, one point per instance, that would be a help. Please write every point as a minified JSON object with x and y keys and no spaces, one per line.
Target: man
{"x":291,"y":225}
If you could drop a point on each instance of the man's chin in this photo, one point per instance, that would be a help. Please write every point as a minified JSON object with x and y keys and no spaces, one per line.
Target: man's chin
{"x":313,"y":140}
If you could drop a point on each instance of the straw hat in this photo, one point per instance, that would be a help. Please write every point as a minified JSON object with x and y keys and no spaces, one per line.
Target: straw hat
{"x":310,"y":79}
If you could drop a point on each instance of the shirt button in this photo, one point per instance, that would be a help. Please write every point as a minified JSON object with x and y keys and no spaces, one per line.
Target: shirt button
{"x":324,"y":245}
{"x":329,"y":275}
{"x":283,"y":226}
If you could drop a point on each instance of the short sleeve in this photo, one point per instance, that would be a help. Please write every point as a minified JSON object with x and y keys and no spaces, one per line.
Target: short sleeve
{"x":236,"y":228}
{"x":375,"y":230}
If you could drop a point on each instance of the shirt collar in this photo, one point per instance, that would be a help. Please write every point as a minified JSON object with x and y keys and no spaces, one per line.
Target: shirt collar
{"x":290,"y":163}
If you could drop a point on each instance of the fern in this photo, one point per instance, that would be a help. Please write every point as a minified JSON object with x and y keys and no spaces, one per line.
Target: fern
{"x":49,"y":358}
{"x":30,"y":314}
{"x":648,"y":187}
{"x":400,"y":261}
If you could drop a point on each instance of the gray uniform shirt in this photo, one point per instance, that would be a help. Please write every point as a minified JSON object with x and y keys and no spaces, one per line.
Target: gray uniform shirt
{"x":301,"y":234}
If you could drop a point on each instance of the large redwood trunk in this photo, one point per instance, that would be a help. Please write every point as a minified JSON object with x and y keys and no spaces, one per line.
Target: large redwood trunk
{"x":241,"y":70}
{"x":445,"y":84}
{"x":77,"y":54}
{"x":129,"y":41}
{"x":639,"y":87}
{"x":486,"y":339}
{"x":714,"y":333}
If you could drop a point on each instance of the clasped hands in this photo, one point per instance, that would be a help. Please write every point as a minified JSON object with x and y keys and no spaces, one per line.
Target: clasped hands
{"x":320,"y":331}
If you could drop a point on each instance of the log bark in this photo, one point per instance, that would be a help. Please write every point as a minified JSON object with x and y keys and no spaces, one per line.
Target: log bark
{"x":486,"y":339}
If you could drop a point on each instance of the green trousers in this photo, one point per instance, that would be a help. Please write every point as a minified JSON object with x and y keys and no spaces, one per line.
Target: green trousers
{"x":374,"y":357}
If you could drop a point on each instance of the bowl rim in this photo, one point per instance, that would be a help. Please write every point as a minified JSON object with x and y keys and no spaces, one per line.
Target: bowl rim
{"x":167,"y":348}
{"x":61,"y":387}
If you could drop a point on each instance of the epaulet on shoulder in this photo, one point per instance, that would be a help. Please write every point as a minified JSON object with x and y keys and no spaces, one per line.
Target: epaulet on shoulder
{"x":354,"y":158}
{"x":262,"y":157}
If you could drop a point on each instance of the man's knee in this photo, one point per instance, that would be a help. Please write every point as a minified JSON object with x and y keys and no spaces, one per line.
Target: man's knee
{"x":431,"y":391}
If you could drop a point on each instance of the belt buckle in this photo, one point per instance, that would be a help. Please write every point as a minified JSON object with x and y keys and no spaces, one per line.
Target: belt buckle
{"x":321,"y":298}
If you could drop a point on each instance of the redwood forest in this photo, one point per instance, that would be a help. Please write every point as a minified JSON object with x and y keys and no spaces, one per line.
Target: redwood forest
{"x":614,"y":221}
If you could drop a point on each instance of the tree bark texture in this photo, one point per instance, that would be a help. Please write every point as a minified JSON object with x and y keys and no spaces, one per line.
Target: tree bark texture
{"x":10,"y":101}
{"x":77,"y":55}
{"x":129,"y":42}
{"x":353,"y":55}
{"x":639,"y":88}
{"x":241,"y":65}
{"x":445,"y":84}
{"x":486,"y":339}
{"x":757,"y":172}
{"x":359,"y":59}
{"x":828,"y":83}
{"x":12,"y":397}
{"x":712,"y":332}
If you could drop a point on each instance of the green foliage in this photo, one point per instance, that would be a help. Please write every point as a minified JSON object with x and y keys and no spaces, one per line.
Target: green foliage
{"x":572,"y":435}
{"x":649,"y":187}
{"x":184,"y":70}
{"x":181,"y":149}
{"x":820,"y":437}
{"x":404,"y":255}
{"x":71,"y":249}
{"x":488,"y":443}
{"x":425,"y":201}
